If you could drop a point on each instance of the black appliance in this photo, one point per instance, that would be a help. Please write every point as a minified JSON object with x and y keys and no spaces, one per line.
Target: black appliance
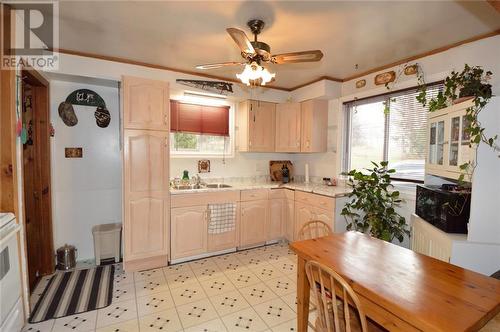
{"x":447,"y":207}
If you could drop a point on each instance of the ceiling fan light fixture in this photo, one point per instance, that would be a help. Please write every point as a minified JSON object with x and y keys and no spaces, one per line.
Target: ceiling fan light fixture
{"x":255,"y":74}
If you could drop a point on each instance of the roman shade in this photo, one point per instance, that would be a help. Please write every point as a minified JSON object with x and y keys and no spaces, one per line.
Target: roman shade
{"x":199,"y":119}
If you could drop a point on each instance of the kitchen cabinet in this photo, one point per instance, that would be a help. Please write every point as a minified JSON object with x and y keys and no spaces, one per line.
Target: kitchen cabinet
{"x":146,"y":198}
{"x":314,"y":125}
{"x":277,"y":214}
{"x":290,"y":220}
{"x":310,"y":206}
{"x":448,"y":143}
{"x":189,"y":231}
{"x":146,"y":104}
{"x":288,"y":123}
{"x":256,"y":126}
{"x":253,"y":222}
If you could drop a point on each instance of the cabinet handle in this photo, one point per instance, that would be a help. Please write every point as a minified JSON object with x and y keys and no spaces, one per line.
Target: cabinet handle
{"x":165,"y":119}
{"x":166,"y":141}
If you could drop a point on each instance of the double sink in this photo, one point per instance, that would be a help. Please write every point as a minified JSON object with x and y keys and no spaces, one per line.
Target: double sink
{"x":200,"y":186}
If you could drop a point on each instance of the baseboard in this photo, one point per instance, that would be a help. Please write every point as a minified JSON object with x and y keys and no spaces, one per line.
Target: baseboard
{"x":145,"y":263}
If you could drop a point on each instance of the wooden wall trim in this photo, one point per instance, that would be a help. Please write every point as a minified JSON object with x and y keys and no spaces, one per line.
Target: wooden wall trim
{"x":422,"y":55}
{"x":329,"y":78}
{"x":495,"y":4}
{"x":155,"y":66}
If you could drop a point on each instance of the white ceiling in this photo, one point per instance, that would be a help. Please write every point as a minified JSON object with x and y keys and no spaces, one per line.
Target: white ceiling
{"x":183,"y":34}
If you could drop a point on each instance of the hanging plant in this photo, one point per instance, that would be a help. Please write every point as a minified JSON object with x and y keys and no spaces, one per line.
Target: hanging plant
{"x":373,"y":205}
{"x":407,"y":69}
{"x":470,"y":83}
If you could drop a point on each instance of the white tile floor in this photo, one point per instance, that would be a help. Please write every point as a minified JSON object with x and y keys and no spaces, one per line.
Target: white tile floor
{"x":252,"y":290}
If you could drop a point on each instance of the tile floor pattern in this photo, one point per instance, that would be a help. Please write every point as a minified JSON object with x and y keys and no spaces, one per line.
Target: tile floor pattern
{"x":251,"y":290}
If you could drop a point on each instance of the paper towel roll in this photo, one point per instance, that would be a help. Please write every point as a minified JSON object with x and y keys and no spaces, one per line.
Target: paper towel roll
{"x":307,"y":173}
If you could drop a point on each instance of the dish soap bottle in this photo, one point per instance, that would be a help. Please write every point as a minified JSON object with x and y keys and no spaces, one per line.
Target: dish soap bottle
{"x":185,"y":176}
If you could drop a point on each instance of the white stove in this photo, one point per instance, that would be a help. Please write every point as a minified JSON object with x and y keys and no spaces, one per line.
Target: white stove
{"x":11,"y":313}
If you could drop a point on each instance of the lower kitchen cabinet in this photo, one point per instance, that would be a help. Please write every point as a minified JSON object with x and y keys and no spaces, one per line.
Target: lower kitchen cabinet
{"x":277,"y":218}
{"x":305,"y":212}
{"x":290,"y":220}
{"x":189,"y":231}
{"x":253,"y":222}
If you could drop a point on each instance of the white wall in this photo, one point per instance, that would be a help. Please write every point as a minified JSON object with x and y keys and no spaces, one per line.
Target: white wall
{"x":85,"y":191}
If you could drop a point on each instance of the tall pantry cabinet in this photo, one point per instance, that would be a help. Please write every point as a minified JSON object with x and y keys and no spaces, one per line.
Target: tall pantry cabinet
{"x":146,"y":200}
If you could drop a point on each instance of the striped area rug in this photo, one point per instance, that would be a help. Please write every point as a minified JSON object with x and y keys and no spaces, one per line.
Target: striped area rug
{"x":74,"y":292}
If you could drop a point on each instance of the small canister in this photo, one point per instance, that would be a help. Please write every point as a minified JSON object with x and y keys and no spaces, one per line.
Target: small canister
{"x":66,"y":257}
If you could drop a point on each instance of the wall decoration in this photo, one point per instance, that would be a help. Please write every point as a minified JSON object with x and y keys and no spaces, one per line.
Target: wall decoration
{"x":219,"y":87}
{"x":411,"y":70}
{"x":360,"y":84}
{"x":73,"y":152}
{"x":385,"y":78}
{"x":84,"y":97}
{"x":204,"y":166}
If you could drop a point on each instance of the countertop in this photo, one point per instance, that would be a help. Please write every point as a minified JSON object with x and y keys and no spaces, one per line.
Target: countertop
{"x":316,"y":188}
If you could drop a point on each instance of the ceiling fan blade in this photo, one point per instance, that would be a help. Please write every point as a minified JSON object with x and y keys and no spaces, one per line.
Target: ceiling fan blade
{"x":241,"y":39}
{"x":219,"y":65}
{"x":294,"y":57}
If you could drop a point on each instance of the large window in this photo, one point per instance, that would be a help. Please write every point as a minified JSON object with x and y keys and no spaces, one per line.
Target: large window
{"x":398,"y":136}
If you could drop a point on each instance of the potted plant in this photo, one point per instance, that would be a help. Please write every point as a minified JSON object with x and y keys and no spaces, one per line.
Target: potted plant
{"x":470,"y":83}
{"x":373,"y":204}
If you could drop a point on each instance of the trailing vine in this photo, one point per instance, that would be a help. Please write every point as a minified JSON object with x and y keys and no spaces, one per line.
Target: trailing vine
{"x":389,"y":85}
{"x":471,"y":82}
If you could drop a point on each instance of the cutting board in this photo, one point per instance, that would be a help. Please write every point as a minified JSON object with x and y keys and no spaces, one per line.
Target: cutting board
{"x":275,"y":169}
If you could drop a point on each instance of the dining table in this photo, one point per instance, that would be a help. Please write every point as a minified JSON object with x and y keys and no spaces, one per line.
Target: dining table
{"x":399,"y":289}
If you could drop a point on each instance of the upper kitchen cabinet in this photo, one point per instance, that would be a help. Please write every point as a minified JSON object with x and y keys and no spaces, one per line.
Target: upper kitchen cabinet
{"x":314,"y":125}
{"x":145,"y":104}
{"x":288,"y":127}
{"x":256,"y":126}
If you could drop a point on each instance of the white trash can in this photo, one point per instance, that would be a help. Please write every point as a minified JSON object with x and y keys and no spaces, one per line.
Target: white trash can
{"x":107,"y":241}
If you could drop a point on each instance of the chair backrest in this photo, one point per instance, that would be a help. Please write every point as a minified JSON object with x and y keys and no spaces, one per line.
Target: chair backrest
{"x":334,"y":315}
{"x":313,"y":229}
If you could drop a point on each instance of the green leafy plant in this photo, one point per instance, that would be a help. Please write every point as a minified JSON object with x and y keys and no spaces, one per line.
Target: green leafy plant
{"x":373,"y":205}
{"x":470,"y":82}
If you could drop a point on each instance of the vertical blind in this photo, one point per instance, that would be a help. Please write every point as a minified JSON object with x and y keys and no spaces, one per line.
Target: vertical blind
{"x":399,"y":136}
{"x":199,"y":119}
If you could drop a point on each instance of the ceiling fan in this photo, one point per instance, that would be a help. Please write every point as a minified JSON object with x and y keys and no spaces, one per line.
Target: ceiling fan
{"x":257,"y":52}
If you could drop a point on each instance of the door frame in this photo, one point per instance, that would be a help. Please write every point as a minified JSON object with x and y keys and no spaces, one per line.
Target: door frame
{"x":41,"y":108}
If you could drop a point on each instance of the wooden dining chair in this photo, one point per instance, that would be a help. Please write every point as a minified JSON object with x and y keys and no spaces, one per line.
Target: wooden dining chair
{"x":334,"y":314}
{"x":313,"y":229}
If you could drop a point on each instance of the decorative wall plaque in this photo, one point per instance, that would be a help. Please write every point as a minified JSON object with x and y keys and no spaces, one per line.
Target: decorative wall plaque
{"x":360,"y":84}
{"x":73,"y":152}
{"x":204,"y":166}
{"x":410,"y":70}
{"x":385,"y":78}
{"x":84,"y":97}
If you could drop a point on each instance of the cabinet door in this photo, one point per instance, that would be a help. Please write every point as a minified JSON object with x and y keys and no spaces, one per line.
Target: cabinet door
{"x":290,"y":220}
{"x":146,"y":104}
{"x":325,"y":216}
{"x":261,"y":126}
{"x":188,"y":231}
{"x":314,"y":126}
{"x":459,"y":151}
{"x":303,"y":214}
{"x":146,"y":194}
{"x":253,"y":222}
{"x":288,"y":127}
{"x":277,"y":214}
{"x":437,"y":142}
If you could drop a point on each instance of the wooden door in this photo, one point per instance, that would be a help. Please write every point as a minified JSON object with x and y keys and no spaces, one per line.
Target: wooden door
{"x":277,"y":214}
{"x":288,"y":127}
{"x":36,"y":176}
{"x":303,"y":214}
{"x":253,"y":222}
{"x":261,"y":126}
{"x":188,"y":231}
{"x":290,"y":220}
{"x":146,"y":197}
{"x":146,"y":104}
